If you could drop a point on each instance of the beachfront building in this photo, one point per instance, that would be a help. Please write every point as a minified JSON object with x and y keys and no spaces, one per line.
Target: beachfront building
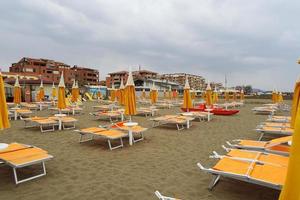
{"x":196,"y":81}
{"x":51,"y":70}
{"x":116,"y":77}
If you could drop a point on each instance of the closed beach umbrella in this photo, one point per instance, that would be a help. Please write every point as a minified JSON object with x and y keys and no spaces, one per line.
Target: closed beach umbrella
{"x":130,"y":101}
{"x":187,"y":100}
{"x":193,"y":94}
{"x":144,"y":94}
{"x":280,"y":97}
{"x":122,"y":93}
{"x":61,"y":102}
{"x":226,"y":95}
{"x":165,"y":93}
{"x":153,"y":94}
{"x":170,"y":93}
{"x":215,"y":97}
{"x":41,"y":92}
{"x":290,"y":189}
{"x":75,"y":92}
{"x":175,"y":94}
{"x":208,"y":98}
{"x":4,"y":122}
{"x":17,"y":92}
{"x":234,"y":96}
{"x":295,"y":103}
{"x":274,"y":96}
{"x":203,"y":95}
{"x":113,"y":93}
{"x":53,"y":93}
{"x":242,"y":95}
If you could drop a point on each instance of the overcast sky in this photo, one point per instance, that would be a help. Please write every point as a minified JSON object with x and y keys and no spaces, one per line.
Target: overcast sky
{"x":254,"y":42}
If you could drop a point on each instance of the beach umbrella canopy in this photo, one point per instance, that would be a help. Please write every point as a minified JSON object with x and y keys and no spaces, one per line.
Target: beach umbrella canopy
{"x":41,"y":92}
{"x":130,"y":101}
{"x":122,"y":93}
{"x":215,"y":97}
{"x":61,"y":102}
{"x":113,"y":93}
{"x":187,"y":100}
{"x":208,"y":98}
{"x":290,"y":189}
{"x":295,"y":103}
{"x":17,"y":92}
{"x":4,"y":121}
{"x":153,"y":94}
{"x":234,"y":96}
{"x":53,"y":93}
{"x":75,"y":92}
{"x":226,"y":95}
{"x":280,"y":97}
{"x":242,"y":95}
{"x":170,"y":93}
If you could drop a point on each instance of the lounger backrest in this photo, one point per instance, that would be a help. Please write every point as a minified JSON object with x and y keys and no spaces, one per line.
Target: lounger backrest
{"x":280,"y":140}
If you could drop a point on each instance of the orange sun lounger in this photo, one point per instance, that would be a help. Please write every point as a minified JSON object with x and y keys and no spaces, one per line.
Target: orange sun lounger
{"x":46,"y":124}
{"x":276,"y":146}
{"x":19,"y":156}
{"x":276,"y":118}
{"x":93,"y":132}
{"x":264,"y":174}
{"x":273,"y":130}
{"x":136,"y":130}
{"x":179,"y":121}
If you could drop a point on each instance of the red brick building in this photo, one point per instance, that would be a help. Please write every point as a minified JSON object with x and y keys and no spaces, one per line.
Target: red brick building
{"x":51,"y":70}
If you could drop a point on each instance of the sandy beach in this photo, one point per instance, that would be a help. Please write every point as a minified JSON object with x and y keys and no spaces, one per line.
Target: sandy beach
{"x":165,"y":161}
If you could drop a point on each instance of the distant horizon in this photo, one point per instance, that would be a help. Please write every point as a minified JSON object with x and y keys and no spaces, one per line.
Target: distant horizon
{"x":249,"y":42}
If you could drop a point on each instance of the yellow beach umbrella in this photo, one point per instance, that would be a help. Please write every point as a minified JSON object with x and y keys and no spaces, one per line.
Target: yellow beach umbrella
{"x":208,"y":98}
{"x":193,"y":94}
{"x":17,"y":92}
{"x":4,"y":121}
{"x":61,"y":102}
{"x":215,"y":97}
{"x":129,"y":97}
{"x":274,"y":96}
{"x":290,"y":189}
{"x":187,"y":100}
{"x":226,"y":95}
{"x":153,"y":94}
{"x":53,"y":93}
{"x":165,"y":93}
{"x":170,"y":93}
{"x":75,"y":92}
{"x":295,"y":103}
{"x":280,"y":97}
{"x":175,"y":94}
{"x":41,"y":92}
{"x":242,"y":95}
{"x":143,"y":94}
{"x":234,"y":96}
{"x":122,"y":93}
{"x":203,"y":95}
{"x":113,"y":93}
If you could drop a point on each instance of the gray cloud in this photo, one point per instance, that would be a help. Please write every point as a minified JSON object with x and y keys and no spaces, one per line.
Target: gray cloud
{"x":253,"y":42}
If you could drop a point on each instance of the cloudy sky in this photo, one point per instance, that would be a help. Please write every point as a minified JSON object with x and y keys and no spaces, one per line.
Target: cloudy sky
{"x":254,"y":42}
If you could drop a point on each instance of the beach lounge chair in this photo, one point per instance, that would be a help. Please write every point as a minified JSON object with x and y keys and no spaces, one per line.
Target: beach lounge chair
{"x":161,"y":197}
{"x":164,"y":105}
{"x":44,"y":123}
{"x":276,"y":124}
{"x":261,"y":157}
{"x":283,"y":119}
{"x":88,"y":134}
{"x":110,"y":115}
{"x":264,"y":110}
{"x":273,"y":130}
{"x":251,"y":171}
{"x":147,"y":111}
{"x":179,"y":121}
{"x":19,"y":156}
{"x":67,"y":122}
{"x":136,"y":130}
{"x":273,"y":146}
{"x":201,"y":116}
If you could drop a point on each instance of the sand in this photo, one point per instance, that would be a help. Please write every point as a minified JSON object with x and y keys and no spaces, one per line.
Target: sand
{"x":165,"y":161}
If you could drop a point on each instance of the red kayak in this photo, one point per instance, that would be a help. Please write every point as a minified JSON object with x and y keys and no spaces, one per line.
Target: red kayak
{"x":215,"y":111}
